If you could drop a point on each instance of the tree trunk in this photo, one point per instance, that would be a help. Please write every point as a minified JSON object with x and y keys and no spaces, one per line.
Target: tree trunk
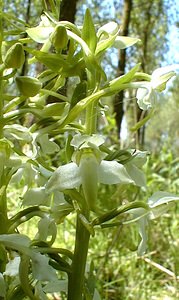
{"x":118,"y":101}
{"x":68,"y":10}
{"x":140,"y":134}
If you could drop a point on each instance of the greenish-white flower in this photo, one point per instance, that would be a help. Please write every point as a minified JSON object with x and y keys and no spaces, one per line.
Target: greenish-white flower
{"x":70,"y":176}
{"x":147,"y":95}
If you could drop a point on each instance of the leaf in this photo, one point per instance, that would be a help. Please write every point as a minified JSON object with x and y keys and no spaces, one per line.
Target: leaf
{"x":111,"y":172}
{"x":12,"y":268}
{"x":36,"y":196}
{"x":53,"y":61}
{"x":53,"y":109}
{"x":65,"y":177}
{"x":122,"y":42}
{"x":41,"y":270}
{"x":88,"y":31}
{"x":2,"y":286}
{"x":160,"y":198}
{"x":116,"y":83}
{"x":79,"y":93}
{"x":143,"y":121}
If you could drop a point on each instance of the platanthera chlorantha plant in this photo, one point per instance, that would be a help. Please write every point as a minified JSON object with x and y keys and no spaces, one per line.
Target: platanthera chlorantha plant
{"x":86,"y":162}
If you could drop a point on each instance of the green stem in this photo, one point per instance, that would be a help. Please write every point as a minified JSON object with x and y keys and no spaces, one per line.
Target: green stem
{"x":91,"y":118}
{"x":76,"y":278}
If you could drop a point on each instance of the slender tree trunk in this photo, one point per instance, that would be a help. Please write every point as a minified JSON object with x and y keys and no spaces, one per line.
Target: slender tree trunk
{"x":140,"y":134}
{"x":68,"y":10}
{"x":118,"y":101}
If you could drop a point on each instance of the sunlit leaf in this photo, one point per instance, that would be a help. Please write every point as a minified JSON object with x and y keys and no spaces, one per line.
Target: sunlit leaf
{"x":89,"y":32}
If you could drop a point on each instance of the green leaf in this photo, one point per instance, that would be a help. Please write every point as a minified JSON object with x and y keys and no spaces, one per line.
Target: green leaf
{"x":79,"y":93}
{"x":2,"y":286}
{"x":141,"y":123}
{"x":116,"y":83}
{"x":65,"y":177}
{"x":53,"y":61}
{"x":88,"y":31}
{"x":111,"y":172}
{"x":122,"y":42}
{"x":53,"y":109}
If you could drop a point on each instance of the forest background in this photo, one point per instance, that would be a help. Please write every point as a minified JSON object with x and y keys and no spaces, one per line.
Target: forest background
{"x":123,"y":275}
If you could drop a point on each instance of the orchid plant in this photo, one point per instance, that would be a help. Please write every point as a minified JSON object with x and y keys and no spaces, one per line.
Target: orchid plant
{"x":52,"y":193}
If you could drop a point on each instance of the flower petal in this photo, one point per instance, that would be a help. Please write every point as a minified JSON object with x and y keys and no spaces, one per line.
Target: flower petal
{"x":65,"y":177}
{"x":111,"y":172}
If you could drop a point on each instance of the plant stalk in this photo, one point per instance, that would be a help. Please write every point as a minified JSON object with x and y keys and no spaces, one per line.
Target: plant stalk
{"x":77,"y":277}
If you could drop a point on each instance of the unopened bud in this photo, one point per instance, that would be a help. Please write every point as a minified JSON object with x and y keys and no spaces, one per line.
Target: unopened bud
{"x":59,"y":38}
{"x":15,"y":56}
{"x":28,"y":86}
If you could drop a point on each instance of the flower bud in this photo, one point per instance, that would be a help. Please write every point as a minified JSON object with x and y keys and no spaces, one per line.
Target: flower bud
{"x":28,"y":86}
{"x":59,"y":38}
{"x":15,"y":56}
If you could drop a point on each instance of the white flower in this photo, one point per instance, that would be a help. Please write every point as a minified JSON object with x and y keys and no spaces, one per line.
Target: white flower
{"x":69,"y":176}
{"x":147,"y":96}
